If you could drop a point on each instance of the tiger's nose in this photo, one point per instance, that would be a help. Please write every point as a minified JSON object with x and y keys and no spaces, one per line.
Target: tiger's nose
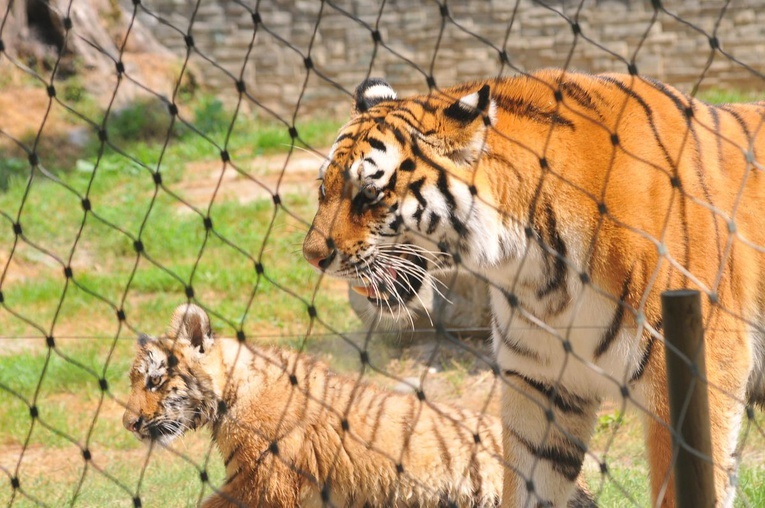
{"x":132,"y":421}
{"x":321,"y":262}
{"x":318,"y":250}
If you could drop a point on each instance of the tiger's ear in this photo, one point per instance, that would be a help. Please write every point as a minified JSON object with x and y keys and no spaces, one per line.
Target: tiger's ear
{"x":463,"y":127}
{"x":190,"y":326}
{"x":369,"y":93}
{"x":468,"y":108}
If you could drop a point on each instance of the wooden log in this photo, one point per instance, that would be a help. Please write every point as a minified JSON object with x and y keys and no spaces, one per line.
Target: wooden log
{"x":688,"y":399}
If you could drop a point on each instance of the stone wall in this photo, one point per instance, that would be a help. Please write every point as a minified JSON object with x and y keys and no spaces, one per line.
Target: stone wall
{"x":270,"y":53}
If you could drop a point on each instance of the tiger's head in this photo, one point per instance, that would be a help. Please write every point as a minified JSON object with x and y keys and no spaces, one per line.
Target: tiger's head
{"x":397,"y":199}
{"x":171,"y":389}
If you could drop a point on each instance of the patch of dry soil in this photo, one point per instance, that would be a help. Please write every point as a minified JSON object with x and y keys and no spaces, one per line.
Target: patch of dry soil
{"x":265,"y":177}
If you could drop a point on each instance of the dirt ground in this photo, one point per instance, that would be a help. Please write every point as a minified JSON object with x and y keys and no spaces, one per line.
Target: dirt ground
{"x":446,"y":371}
{"x":282,"y":174}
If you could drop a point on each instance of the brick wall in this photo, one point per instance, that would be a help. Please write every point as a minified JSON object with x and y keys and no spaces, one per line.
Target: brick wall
{"x":471,"y":42}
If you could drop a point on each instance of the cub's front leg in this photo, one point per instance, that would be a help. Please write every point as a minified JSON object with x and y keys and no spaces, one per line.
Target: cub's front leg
{"x":273,"y":485}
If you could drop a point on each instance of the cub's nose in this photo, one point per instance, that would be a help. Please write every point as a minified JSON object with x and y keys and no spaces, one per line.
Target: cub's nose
{"x":132,"y":421}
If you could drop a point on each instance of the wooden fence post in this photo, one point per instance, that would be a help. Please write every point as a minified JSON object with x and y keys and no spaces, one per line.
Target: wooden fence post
{"x":688,"y":399}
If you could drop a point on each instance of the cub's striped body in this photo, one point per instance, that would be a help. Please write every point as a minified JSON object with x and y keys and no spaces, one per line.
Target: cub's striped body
{"x":292,"y":433}
{"x":579,"y":199}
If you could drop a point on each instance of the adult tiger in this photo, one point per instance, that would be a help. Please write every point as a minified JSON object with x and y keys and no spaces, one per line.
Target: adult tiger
{"x":579,"y":198}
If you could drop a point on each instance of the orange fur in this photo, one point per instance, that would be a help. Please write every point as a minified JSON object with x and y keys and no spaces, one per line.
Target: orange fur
{"x":638,"y":189}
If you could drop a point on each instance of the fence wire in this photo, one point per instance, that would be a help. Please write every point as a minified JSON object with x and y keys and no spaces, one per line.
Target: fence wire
{"x":50,"y":338}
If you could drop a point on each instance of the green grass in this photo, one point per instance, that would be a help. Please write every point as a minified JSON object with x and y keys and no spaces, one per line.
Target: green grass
{"x":178,"y":252}
{"x":169,"y":479}
{"x":63,"y":385}
{"x":261,"y":285}
{"x":628,"y":487}
{"x":751,"y":482}
{"x":619,"y":441}
{"x":248,"y":271}
{"x":718,"y":96}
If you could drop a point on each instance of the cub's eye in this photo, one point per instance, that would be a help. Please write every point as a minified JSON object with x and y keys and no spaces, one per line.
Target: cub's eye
{"x":322,"y":191}
{"x":154,"y":381}
{"x":371,"y":192}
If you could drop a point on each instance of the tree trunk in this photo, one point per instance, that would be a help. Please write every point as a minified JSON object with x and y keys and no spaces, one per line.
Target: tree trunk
{"x":35,"y":33}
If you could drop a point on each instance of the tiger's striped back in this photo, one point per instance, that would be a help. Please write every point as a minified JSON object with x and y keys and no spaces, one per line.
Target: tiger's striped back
{"x":579,"y":199}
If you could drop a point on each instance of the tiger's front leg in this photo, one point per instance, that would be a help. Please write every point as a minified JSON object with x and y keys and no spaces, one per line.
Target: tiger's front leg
{"x":546,"y":432}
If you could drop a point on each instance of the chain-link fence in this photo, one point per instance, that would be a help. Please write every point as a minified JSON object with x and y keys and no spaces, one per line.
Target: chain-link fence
{"x":156,"y":153}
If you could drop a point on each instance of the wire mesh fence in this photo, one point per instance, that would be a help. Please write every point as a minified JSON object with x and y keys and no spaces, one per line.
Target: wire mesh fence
{"x":547,"y":210}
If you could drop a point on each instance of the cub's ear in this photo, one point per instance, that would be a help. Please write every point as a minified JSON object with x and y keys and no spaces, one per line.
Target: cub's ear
{"x":190,"y":326}
{"x":144,"y":340}
{"x":371,"y":92}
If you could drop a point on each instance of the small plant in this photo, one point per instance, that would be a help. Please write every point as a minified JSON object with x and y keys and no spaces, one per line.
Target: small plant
{"x":74,"y":91}
{"x":610,"y":421}
{"x":10,"y":168}
{"x":146,"y":120}
{"x":211,"y":116}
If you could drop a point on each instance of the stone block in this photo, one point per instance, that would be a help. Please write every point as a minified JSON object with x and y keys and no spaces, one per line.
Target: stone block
{"x":539,"y":37}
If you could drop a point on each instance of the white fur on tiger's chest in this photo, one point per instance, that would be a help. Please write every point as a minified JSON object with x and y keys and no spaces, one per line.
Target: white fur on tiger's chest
{"x":531,"y":340}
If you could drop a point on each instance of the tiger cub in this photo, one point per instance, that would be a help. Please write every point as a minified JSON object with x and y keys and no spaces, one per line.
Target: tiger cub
{"x":292,"y":433}
{"x":578,"y":199}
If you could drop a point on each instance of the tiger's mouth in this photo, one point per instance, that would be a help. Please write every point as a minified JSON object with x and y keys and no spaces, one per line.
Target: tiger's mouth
{"x":393,"y":280}
{"x":162,"y":431}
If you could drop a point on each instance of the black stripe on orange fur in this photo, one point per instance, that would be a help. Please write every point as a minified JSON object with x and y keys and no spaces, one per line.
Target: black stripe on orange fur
{"x":616,"y":321}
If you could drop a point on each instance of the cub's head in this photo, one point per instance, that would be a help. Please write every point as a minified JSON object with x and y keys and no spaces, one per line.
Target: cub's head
{"x":170,"y":390}
{"x":397,"y":196}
